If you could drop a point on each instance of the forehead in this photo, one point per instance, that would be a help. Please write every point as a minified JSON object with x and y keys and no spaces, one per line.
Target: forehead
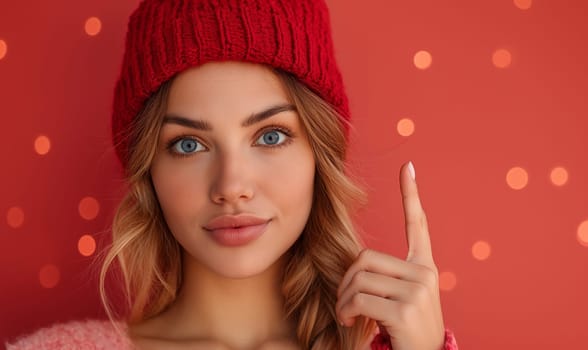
{"x":225,"y":87}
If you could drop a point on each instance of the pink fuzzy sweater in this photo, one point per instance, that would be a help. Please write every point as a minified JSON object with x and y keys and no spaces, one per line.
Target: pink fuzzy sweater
{"x":101,"y":335}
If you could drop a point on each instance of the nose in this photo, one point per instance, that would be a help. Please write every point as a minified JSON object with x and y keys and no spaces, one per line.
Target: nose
{"x":231,"y":180}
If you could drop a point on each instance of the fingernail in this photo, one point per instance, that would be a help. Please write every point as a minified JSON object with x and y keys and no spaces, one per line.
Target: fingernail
{"x":411,"y":170}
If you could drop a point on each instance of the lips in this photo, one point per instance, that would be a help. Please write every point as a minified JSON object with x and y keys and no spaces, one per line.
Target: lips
{"x":231,"y":230}
{"x":234,"y":221}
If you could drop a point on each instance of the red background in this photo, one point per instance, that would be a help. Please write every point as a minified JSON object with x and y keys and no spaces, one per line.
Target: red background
{"x":473,"y":122}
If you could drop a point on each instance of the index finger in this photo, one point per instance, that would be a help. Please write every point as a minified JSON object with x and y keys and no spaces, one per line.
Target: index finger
{"x":417,"y":230}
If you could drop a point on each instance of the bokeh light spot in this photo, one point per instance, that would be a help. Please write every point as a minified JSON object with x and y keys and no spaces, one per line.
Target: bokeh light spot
{"x":559,"y":176}
{"x":405,"y":127}
{"x":3,"y":49}
{"x":447,"y":280}
{"x":523,"y":4}
{"x":583,"y":233}
{"x":86,"y":245}
{"x":42,"y":145}
{"x":49,"y":276}
{"x":15,"y":217}
{"x":501,"y":58}
{"x":93,"y":26}
{"x":517,"y":178}
{"x":89,"y":208}
{"x":423,"y":59}
{"x":481,"y":250}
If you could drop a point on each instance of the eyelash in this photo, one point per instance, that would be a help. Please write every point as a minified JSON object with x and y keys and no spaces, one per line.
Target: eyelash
{"x":289,"y":134}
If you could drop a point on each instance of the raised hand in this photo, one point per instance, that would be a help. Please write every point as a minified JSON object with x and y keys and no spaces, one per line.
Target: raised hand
{"x":401,"y":295}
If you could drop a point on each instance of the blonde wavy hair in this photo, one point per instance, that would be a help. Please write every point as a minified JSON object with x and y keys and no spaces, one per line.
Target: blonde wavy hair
{"x":148,"y":258}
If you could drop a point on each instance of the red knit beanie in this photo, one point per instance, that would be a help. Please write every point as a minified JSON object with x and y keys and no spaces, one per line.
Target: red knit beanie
{"x":165,"y":37}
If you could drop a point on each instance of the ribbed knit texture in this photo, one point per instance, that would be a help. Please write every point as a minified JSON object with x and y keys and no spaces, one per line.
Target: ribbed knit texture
{"x":101,"y":335}
{"x":74,"y":335}
{"x":165,"y":37}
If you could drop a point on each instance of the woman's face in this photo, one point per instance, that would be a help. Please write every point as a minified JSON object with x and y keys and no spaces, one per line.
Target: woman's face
{"x":213,"y":159}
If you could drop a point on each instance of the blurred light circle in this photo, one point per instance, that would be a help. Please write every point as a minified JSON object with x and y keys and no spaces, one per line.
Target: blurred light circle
{"x":559,"y":176}
{"x":523,"y":4}
{"x":3,"y":49}
{"x":583,"y":233}
{"x":93,"y":26}
{"x":89,"y":208}
{"x":447,"y":280}
{"x":481,"y":250}
{"x":86,"y":245}
{"x":42,"y":145}
{"x":15,"y":217}
{"x":423,"y":59}
{"x":501,"y":58}
{"x":49,"y":276}
{"x":405,"y":127}
{"x":517,"y":178}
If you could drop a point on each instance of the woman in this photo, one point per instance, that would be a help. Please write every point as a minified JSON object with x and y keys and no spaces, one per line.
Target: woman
{"x":230,"y":120}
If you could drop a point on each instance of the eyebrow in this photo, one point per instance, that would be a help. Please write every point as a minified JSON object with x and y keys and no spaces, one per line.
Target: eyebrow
{"x":252,"y":119}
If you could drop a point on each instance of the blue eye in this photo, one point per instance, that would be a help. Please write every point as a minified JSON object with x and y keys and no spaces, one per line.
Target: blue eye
{"x":186,"y":146}
{"x":272,"y":138}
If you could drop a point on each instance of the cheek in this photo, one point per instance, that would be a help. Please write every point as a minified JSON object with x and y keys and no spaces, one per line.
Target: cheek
{"x":179,"y":191}
{"x":289,"y":182}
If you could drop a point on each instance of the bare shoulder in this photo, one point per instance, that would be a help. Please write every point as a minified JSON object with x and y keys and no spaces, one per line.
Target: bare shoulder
{"x":99,"y":334}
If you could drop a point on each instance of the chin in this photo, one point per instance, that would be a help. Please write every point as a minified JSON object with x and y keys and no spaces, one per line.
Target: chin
{"x":242,"y":267}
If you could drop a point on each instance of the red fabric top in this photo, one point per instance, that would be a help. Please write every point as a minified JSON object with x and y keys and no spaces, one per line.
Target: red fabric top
{"x":382,"y":341}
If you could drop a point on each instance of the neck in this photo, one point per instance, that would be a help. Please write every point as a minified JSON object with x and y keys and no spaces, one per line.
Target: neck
{"x":242,"y":313}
